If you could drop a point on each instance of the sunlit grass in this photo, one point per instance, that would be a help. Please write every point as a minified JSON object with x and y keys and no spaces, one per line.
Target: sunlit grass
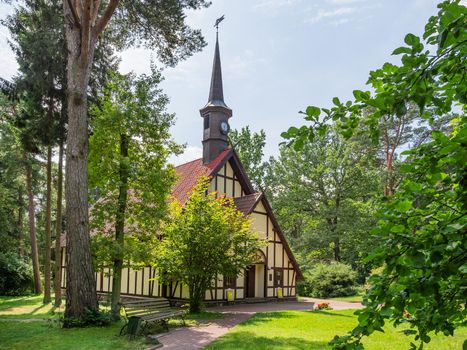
{"x":313,"y":330}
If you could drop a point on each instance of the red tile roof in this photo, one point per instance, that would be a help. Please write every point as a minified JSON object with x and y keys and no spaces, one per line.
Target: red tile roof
{"x":190,"y":172}
{"x":247,"y":203}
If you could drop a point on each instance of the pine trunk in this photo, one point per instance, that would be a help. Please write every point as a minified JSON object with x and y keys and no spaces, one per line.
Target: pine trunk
{"x":20,"y":222}
{"x":48,"y":219}
{"x":58,"y":228}
{"x":120,"y":227}
{"x":32,"y":229}
{"x":81,"y":293}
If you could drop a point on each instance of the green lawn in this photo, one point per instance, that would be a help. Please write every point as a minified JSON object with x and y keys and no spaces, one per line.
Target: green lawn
{"x":27,"y":307}
{"x":312,"y":331}
{"x":25,"y":323}
{"x":353,"y":298}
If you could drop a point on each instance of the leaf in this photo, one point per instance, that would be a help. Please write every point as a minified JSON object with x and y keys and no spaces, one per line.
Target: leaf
{"x":313,"y":111}
{"x":336,"y":101}
{"x":411,"y":39}
{"x":398,"y":228}
{"x":404,"y":206}
{"x":402,"y":49}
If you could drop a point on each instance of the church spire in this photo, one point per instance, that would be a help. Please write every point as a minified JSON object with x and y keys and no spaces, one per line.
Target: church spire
{"x":216,"y":113}
{"x":216,"y":92}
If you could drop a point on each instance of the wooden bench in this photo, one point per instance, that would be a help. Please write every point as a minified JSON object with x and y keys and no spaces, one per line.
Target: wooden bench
{"x":157,"y":310}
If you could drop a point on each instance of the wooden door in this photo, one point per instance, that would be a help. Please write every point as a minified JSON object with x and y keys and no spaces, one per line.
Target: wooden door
{"x":250,"y":282}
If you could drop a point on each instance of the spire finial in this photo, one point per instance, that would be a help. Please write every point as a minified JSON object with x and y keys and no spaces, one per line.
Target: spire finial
{"x":219,"y":20}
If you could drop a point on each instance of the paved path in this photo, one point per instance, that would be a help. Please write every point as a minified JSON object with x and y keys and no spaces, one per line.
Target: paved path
{"x":188,"y":338}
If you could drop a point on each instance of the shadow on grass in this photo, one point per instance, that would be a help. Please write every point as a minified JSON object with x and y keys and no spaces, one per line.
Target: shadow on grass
{"x":248,"y":340}
{"x":333,"y":314}
{"x":11,"y":302}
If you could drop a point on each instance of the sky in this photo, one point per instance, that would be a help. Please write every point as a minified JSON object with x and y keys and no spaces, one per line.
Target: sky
{"x":278,"y":57}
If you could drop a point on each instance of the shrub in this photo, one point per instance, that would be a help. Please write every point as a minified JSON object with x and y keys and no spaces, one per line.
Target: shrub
{"x":328,"y":281}
{"x":16,"y":276}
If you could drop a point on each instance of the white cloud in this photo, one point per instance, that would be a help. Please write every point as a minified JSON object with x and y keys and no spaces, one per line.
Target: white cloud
{"x":330,"y":14}
{"x":274,"y":4}
{"x":344,"y":2}
{"x":240,"y":66}
{"x":190,"y":153}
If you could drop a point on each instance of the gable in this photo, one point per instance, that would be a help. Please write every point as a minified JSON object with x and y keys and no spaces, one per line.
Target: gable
{"x":229,"y":178}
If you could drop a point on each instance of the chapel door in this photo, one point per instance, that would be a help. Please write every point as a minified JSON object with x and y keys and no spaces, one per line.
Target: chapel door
{"x":250,"y":282}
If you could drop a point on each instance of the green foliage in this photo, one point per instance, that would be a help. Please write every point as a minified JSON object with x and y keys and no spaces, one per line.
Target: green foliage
{"x":203,"y":239}
{"x":329,"y":281}
{"x":91,"y":318}
{"x":324,"y":199}
{"x":15,"y":275}
{"x":249,"y":147}
{"x":422,"y":227}
{"x":134,"y":107}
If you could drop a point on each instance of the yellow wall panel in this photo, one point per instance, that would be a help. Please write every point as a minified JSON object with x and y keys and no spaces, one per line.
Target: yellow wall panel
{"x":278,"y":255}
{"x":239,"y":293}
{"x":238,"y":189}
{"x":146,"y":281}
{"x":220,"y":295}
{"x":124,"y":280}
{"x":131,"y":290}
{"x":260,"y":208}
{"x":229,"y":189}
{"x":229,"y":171}
{"x":220,"y":185}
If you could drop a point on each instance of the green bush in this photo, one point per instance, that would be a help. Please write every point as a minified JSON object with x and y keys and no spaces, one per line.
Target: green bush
{"x":328,"y":281}
{"x":16,"y":276}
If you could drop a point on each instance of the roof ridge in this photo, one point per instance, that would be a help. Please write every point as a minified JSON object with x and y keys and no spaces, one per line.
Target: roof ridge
{"x":191,"y":161}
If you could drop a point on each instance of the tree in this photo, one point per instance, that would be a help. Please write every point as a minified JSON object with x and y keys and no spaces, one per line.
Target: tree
{"x":249,"y":147}
{"x":205,"y":238}
{"x":158,"y":25}
{"x":324,"y":197}
{"x":129,"y":148}
{"x":38,"y":42}
{"x":422,"y":226}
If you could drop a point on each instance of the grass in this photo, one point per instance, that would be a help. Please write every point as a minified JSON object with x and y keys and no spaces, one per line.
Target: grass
{"x":27,"y":307}
{"x":25,"y":323}
{"x":352,"y":299}
{"x":313,"y":330}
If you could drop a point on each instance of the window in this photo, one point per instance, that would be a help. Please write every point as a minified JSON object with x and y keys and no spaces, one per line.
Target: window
{"x":278,"y":278}
{"x":230,"y":282}
{"x":206,"y":123}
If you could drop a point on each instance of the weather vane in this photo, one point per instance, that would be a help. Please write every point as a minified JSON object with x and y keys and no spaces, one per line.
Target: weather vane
{"x":219,"y":20}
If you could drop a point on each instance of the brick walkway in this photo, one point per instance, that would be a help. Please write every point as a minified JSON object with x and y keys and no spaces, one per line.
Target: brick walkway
{"x":188,"y":338}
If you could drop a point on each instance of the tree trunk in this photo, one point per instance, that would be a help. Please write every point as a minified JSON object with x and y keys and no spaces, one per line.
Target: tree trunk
{"x":20,"y":222}
{"x":32,"y":228}
{"x":81,"y":284}
{"x":120,"y":227}
{"x":48,"y":219}
{"x":58,"y":228}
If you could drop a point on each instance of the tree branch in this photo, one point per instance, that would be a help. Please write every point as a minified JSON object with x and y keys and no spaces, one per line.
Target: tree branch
{"x":76,"y":18}
{"x":102,"y":23}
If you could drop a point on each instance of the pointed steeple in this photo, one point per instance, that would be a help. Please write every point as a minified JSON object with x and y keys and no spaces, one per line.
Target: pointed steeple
{"x":216,"y":92}
{"x":215,"y":113}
